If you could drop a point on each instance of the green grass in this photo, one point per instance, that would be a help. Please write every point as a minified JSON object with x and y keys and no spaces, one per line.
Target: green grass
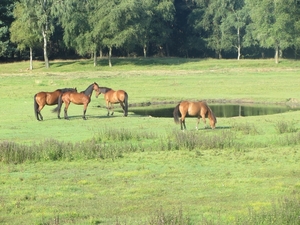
{"x":144,"y":170}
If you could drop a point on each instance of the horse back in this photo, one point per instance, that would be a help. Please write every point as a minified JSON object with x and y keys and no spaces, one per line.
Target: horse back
{"x":47,"y":98}
{"x":76,"y":98}
{"x":190,"y":108}
{"x":115,"y":96}
{"x":121,"y":95}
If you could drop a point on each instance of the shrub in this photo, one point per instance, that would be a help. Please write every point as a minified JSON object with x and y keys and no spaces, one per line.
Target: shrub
{"x":285,"y":127}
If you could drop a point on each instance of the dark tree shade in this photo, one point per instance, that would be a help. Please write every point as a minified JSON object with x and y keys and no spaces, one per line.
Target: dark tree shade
{"x":6,"y":18}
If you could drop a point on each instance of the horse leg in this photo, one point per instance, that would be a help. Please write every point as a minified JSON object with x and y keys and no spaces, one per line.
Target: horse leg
{"x":107,"y":107}
{"x":203,"y":119}
{"x":39,"y":115}
{"x":66,"y":110}
{"x":123,"y":107}
{"x":197,"y":123}
{"x":84,"y":111}
{"x":112,"y":109}
{"x":182,"y":122}
{"x":59,"y":104}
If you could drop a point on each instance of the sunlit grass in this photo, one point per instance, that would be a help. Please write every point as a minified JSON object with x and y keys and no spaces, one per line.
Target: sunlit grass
{"x":145,"y":170}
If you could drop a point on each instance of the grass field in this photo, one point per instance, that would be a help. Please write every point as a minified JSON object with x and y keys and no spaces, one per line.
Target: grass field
{"x":144,"y":170}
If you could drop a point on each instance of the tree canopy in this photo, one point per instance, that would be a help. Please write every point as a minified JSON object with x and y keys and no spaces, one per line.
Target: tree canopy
{"x":190,"y":28}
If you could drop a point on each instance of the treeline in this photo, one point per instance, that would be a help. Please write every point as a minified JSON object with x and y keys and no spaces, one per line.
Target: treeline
{"x":49,"y":29}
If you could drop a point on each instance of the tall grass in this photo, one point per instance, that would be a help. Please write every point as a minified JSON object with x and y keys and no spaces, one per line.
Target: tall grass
{"x":200,"y":140}
{"x":114,"y":143}
{"x":285,"y":127}
{"x":284,"y":212}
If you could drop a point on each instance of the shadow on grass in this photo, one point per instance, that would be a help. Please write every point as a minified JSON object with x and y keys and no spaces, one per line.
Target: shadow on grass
{"x":208,"y":128}
{"x":77,"y":117}
{"x":58,"y":64}
{"x":139,"y":61}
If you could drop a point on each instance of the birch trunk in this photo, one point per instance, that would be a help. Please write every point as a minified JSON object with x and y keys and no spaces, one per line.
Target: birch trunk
{"x":145,"y":51}
{"x":109,"y":57}
{"x":95,"y":58}
{"x":239,"y":44}
{"x":276,"y":54}
{"x":45,"y":49}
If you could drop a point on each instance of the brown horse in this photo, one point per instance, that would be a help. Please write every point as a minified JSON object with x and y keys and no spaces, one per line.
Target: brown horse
{"x":113,"y":97}
{"x":199,"y":109}
{"x":47,"y":98}
{"x":82,"y":98}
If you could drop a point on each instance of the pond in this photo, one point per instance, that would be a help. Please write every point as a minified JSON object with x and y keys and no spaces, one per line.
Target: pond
{"x":220,"y":110}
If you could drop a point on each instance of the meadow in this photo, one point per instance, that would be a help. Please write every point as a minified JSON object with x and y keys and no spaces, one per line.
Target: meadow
{"x":142,"y":169}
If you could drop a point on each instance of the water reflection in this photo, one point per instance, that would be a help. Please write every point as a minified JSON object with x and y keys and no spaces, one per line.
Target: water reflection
{"x":220,"y":110}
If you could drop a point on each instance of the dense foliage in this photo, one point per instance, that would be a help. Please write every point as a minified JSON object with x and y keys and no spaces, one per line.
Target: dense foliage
{"x":190,"y":28}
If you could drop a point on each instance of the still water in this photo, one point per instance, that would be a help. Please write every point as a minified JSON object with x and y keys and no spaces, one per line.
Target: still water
{"x":220,"y":110}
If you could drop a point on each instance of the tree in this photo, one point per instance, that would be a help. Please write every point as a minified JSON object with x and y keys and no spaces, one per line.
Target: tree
{"x":273,"y":23}
{"x":119,"y":23}
{"x":208,"y":16}
{"x":76,"y":19}
{"x":21,"y":32}
{"x":162,"y":23}
{"x":39,"y":15}
{"x":139,"y":25}
{"x":222,"y":24}
{"x":234,"y":23}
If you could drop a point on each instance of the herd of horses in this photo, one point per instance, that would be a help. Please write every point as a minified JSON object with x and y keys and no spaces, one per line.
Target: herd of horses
{"x":68,"y":95}
{"x":65,"y":96}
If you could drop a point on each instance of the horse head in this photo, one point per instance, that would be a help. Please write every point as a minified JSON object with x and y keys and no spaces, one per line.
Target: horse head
{"x":96,"y":88}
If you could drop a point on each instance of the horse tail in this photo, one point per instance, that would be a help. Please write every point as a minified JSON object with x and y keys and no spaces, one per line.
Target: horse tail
{"x":176,"y":113}
{"x":59,"y":104}
{"x":126,"y":103}
{"x":36,"y":107}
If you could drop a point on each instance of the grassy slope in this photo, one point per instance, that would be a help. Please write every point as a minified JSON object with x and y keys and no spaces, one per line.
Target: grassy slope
{"x":216,"y":184}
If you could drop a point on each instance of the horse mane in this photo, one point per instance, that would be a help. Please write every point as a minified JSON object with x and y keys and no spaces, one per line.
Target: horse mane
{"x":211,"y":114}
{"x":104,"y":89}
{"x":88,"y":90}
{"x":63,"y":90}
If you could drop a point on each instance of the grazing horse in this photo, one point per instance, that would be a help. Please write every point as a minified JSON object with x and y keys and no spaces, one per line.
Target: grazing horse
{"x":82,"y":98}
{"x":113,"y":97}
{"x":199,"y":109}
{"x":47,"y":98}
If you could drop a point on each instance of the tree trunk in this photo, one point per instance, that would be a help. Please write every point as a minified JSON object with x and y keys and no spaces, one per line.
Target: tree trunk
{"x":30,"y":53}
{"x":218,"y":54}
{"x":167,"y":49}
{"x":95,"y":57}
{"x":276,"y":54}
{"x":101,"y":53}
{"x":145,"y":51}
{"x":239,"y":44}
{"x":45,"y":49}
{"x":109,"y":57}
